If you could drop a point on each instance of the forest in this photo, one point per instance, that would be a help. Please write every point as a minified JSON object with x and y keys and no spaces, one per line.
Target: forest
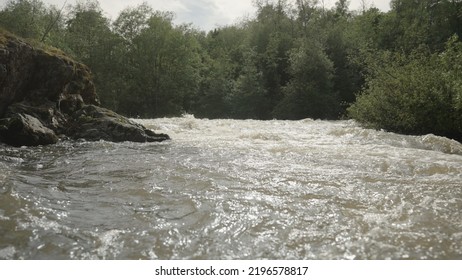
{"x":399,"y":70}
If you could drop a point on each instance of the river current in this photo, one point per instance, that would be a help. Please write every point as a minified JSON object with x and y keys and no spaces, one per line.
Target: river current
{"x":229,"y":189}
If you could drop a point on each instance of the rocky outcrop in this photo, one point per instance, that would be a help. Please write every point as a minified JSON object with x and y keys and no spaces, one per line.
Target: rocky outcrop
{"x":95,"y":123}
{"x":45,"y":95}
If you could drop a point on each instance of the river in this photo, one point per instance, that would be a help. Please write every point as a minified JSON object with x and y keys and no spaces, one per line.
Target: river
{"x":229,"y":189}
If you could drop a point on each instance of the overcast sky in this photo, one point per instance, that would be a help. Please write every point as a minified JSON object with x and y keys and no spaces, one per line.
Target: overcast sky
{"x":204,"y":14}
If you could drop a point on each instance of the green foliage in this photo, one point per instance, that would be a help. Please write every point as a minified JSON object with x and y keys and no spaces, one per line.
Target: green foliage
{"x":310,"y":92}
{"x":212,"y":97}
{"x":87,"y":32}
{"x":249,"y":97}
{"x":164,"y":67}
{"x":417,"y":94}
{"x":451,"y":66}
{"x":33,"y":20}
{"x":425,"y":22}
{"x":131,"y":21}
{"x":26,"y":18}
{"x":272,"y":35}
{"x":89,"y":38}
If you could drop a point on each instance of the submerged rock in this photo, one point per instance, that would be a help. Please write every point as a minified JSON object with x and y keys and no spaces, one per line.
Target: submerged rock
{"x":45,"y":94}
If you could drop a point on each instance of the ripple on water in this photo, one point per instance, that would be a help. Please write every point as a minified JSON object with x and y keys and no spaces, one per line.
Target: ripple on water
{"x":227,"y":189}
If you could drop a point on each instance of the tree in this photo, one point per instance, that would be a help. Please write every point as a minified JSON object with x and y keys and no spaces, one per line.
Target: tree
{"x":341,"y":48}
{"x":413,"y":94}
{"x":222,"y":60}
{"x":164,"y":63}
{"x":309,"y":93}
{"x":88,"y":31}
{"x":32,"y":19}
{"x":426,"y":22}
{"x":249,"y":97}
{"x":53,"y":23}
{"x":90,"y":39}
{"x":131,"y":21}
{"x":341,"y":8}
{"x":271,"y":36}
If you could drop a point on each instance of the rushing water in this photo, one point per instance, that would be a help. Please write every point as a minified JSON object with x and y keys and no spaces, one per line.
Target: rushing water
{"x":227,"y":189}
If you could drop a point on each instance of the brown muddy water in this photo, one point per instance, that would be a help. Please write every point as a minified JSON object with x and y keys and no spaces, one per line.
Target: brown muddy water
{"x":229,"y":189}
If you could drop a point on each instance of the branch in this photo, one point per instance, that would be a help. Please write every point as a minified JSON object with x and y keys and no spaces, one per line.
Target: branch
{"x":50,"y":26}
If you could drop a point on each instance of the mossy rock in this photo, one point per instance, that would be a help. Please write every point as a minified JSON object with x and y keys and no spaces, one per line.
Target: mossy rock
{"x":95,"y":123}
{"x":47,"y":91}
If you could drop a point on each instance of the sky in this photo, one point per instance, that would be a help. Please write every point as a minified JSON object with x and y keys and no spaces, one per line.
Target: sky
{"x":204,"y":14}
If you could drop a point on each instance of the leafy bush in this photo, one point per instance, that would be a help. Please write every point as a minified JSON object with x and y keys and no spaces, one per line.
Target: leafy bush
{"x":416,"y":94}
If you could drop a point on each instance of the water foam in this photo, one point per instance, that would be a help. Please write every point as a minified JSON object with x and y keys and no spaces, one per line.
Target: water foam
{"x":238,"y":189}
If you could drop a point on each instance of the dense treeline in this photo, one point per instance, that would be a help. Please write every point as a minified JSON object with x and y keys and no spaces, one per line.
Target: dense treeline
{"x":399,"y":70}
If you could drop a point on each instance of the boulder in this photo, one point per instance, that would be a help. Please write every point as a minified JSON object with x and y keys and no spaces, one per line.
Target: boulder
{"x":25,"y":130}
{"x":94,"y":123}
{"x":45,"y":94}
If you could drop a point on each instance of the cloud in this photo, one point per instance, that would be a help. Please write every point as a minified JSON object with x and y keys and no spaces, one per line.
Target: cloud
{"x":201,"y":13}
{"x":208,"y":14}
{"x":383,"y":5}
{"x":204,"y":14}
